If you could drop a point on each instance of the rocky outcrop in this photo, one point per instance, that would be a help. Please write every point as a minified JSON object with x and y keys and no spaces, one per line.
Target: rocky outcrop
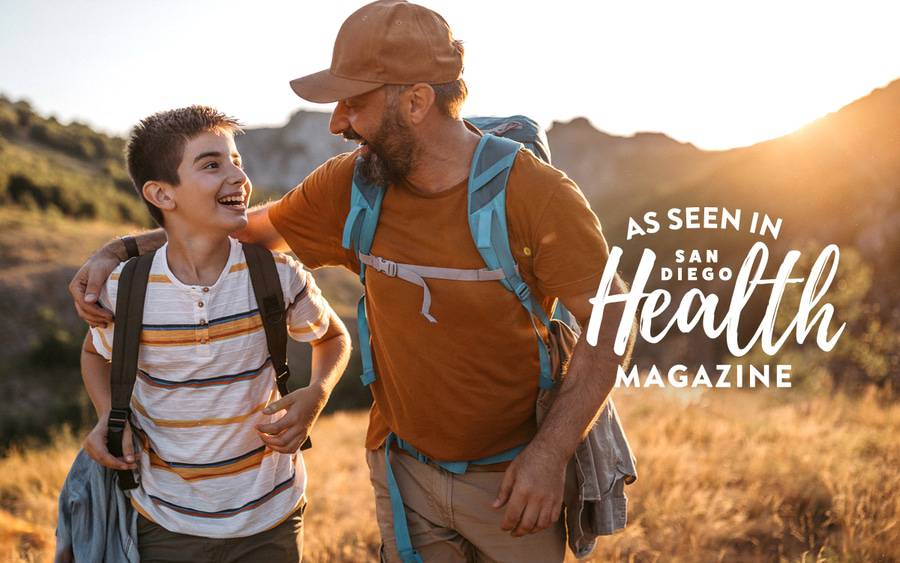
{"x":280,"y":157}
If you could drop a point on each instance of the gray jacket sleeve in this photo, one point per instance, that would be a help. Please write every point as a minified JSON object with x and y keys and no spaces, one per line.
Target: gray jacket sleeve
{"x":96,"y":520}
{"x":603,"y":464}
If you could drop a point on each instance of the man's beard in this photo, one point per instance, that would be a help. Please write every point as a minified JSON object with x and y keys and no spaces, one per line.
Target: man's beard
{"x":391,"y":152}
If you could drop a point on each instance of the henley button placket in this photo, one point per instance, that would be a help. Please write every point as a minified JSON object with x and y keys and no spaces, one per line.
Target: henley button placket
{"x":203,"y":322}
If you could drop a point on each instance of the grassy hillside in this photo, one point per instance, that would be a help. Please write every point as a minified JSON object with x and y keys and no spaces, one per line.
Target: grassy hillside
{"x":66,"y":168}
{"x":39,"y":378}
{"x":723,"y":477}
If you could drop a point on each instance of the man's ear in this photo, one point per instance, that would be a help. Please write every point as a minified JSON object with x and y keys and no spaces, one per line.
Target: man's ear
{"x":159,"y":194}
{"x":420,"y":100}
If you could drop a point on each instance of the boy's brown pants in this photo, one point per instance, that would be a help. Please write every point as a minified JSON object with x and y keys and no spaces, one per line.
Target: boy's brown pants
{"x":281,"y":544}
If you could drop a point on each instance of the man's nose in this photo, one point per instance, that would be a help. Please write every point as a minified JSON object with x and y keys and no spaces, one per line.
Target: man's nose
{"x":339,"y":122}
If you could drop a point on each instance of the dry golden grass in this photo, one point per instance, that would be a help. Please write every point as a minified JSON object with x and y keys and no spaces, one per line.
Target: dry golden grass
{"x":723,"y":477}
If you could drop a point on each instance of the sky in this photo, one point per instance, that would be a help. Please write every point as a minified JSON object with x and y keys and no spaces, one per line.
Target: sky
{"x":718,"y":74}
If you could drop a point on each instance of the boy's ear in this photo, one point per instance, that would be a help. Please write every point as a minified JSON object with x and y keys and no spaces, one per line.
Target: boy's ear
{"x":159,"y":194}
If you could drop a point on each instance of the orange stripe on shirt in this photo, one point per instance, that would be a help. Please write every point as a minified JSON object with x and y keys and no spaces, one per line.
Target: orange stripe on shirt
{"x":199,"y":473}
{"x":152,"y":278}
{"x":104,"y":341}
{"x":311,"y":327}
{"x":243,"y":265}
{"x":167,"y":423}
{"x":231,"y":329}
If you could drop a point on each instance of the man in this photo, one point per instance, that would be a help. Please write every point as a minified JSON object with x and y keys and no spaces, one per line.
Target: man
{"x":464,"y":387}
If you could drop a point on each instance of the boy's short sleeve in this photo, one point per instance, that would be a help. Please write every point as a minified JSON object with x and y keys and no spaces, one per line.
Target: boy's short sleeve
{"x":308,"y":311}
{"x":101,"y":337}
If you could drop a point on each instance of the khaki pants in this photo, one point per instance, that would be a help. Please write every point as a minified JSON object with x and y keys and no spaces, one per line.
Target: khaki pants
{"x":281,"y":544}
{"x":451,"y":518}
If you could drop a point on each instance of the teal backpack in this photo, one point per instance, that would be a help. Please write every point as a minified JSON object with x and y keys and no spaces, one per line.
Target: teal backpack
{"x":503,"y":138}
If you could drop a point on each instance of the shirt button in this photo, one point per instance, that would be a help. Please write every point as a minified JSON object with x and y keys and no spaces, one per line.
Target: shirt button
{"x":200,"y":304}
{"x":203,"y":341}
{"x":205,"y":290}
{"x":202,"y":322}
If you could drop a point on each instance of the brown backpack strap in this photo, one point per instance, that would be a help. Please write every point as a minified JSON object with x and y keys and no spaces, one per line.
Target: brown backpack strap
{"x":126,"y":345}
{"x":270,"y":301}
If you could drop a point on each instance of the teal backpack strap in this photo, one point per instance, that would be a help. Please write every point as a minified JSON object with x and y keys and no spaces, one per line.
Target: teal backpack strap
{"x":359,"y":232}
{"x":408,"y":554}
{"x":491,"y":165}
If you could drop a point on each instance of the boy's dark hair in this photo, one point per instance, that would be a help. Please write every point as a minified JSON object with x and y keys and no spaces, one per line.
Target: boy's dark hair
{"x":156,"y":145}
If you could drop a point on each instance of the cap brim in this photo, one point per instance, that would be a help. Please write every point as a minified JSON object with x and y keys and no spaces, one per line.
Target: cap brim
{"x":324,"y":87}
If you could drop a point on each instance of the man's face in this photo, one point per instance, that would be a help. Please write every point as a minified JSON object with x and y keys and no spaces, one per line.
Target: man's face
{"x":214,"y":191}
{"x":388,"y":146}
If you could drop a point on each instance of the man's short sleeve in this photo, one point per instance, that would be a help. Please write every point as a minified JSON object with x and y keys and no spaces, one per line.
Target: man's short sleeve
{"x":311,"y":216}
{"x":569,"y":252}
{"x":308,"y":312}
{"x":102,"y":337}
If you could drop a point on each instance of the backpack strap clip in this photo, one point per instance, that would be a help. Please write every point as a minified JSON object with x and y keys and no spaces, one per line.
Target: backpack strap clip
{"x":522,"y":291}
{"x":385,"y":266}
{"x":117,"y":419}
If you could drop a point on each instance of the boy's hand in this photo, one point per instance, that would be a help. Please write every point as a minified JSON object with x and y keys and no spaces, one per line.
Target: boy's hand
{"x":85,"y":287}
{"x":302,"y":408}
{"x":95,"y":446}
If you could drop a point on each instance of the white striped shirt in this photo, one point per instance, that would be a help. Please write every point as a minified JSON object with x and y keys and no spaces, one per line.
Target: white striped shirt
{"x":204,"y":376}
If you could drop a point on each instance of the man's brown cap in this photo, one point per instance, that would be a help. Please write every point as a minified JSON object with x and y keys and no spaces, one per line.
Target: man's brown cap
{"x":385,"y":42}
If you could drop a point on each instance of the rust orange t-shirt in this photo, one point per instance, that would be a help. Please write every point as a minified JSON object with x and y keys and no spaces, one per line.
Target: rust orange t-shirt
{"x":464,"y":387}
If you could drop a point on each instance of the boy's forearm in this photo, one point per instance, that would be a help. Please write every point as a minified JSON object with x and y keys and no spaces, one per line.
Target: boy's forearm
{"x":329,"y":360}
{"x":330,"y":356}
{"x":95,"y":373}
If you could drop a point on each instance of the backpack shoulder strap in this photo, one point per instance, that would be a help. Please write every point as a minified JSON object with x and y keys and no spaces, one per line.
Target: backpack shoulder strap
{"x":491,"y":165}
{"x":126,"y":345}
{"x":362,"y":220}
{"x":359,"y":232}
{"x":270,"y":301}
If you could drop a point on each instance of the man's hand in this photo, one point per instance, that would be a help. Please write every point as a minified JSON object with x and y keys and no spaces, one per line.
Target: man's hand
{"x":302,"y":408}
{"x":85,"y":287}
{"x":532,"y":491}
{"x":95,"y":446}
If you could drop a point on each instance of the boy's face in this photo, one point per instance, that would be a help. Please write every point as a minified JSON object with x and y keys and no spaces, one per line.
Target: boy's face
{"x":214,"y":191}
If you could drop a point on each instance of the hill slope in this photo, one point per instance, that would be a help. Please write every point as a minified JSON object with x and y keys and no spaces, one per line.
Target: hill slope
{"x":63,"y":191}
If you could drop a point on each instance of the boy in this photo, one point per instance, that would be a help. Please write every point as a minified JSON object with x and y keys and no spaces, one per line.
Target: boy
{"x":220,"y":475}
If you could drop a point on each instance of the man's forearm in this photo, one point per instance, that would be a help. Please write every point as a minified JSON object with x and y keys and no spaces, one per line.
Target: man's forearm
{"x":147,"y":241}
{"x":259,"y":230}
{"x":590,"y":378}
